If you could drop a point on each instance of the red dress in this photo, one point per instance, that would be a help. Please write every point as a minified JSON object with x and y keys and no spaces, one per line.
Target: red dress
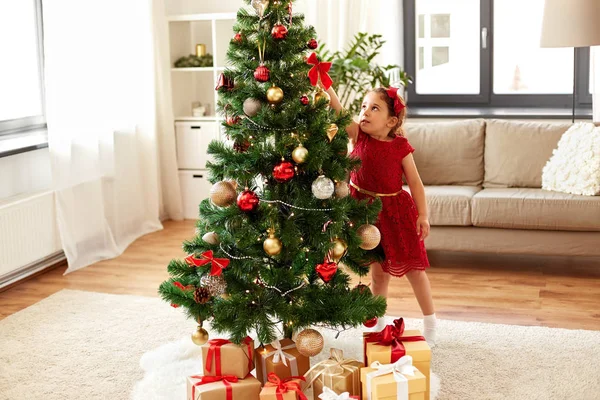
{"x":381,"y":172}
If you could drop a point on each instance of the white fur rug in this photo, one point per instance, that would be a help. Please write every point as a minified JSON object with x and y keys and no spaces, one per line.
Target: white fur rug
{"x":83,"y":345}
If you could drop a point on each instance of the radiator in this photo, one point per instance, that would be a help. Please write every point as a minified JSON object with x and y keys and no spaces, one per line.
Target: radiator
{"x":29,"y":236}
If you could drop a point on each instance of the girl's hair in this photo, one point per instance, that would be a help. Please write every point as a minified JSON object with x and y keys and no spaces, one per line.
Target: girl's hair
{"x":396,"y":130}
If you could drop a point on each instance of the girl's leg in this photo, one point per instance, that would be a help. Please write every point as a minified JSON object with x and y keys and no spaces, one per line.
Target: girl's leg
{"x":380,"y":280}
{"x":422,"y":289}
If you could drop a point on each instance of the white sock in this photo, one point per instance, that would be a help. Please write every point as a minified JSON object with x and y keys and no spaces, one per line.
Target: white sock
{"x":429,"y":328}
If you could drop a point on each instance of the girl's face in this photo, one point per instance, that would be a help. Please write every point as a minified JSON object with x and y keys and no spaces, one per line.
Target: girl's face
{"x":375,"y":118}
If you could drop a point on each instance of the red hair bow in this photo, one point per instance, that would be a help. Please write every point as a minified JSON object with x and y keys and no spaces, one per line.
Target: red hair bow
{"x":320,"y":69}
{"x":218,"y":264}
{"x":398,"y":104}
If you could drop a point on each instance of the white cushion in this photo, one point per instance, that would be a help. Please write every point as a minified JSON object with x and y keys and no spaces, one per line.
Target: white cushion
{"x":574,"y":166}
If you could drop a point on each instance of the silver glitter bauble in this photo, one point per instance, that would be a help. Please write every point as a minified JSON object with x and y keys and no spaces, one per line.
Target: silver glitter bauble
{"x":252,"y":106}
{"x":323,"y":187}
{"x":215,"y":284}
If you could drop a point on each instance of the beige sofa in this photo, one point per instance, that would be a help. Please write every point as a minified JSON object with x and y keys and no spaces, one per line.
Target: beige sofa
{"x":483,"y":186}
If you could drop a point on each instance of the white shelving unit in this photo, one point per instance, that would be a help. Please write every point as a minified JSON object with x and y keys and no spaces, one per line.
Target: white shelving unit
{"x":191,"y":85}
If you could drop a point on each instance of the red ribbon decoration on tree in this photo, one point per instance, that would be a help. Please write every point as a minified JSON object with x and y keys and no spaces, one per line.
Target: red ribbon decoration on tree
{"x":391,"y":335}
{"x":286,"y":385}
{"x":226,"y":379}
{"x":218,"y":264}
{"x":319,"y":70}
{"x":180,"y":286}
{"x":214,"y":351}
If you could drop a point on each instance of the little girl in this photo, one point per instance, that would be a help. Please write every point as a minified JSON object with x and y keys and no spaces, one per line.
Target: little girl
{"x":385,"y":155}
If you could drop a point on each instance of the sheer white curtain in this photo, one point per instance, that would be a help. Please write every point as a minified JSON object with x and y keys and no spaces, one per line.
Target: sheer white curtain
{"x":104,"y":121}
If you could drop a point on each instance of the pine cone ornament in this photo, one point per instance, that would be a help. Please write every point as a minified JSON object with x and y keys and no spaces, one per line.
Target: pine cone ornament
{"x":202,"y":295}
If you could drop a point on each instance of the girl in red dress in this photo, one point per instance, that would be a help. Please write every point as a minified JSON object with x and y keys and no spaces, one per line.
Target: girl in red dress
{"x":385,"y":155}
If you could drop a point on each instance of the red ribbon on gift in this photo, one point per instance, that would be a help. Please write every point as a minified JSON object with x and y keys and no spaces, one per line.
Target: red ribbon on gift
{"x":285,"y":385}
{"x":391,"y":335}
{"x":248,"y":342}
{"x":214,"y":351}
{"x":226,"y":379}
{"x":218,"y":264}
{"x":319,"y":70}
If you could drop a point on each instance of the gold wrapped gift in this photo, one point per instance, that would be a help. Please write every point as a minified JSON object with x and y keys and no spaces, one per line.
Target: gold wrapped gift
{"x":221,"y":357}
{"x":336,"y":373}
{"x":400,"y":380}
{"x":282,"y":358}
{"x":282,"y":389}
{"x":222,"y":388}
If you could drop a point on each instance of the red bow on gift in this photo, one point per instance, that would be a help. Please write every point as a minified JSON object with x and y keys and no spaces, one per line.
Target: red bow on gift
{"x":218,"y":264}
{"x":319,"y":70}
{"x":214,"y":351}
{"x":227,"y":380}
{"x":391,"y":335}
{"x":284,"y":386}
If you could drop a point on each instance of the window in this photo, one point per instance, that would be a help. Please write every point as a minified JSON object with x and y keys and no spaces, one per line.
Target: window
{"x":486,"y":53}
{"x":21,"y":69}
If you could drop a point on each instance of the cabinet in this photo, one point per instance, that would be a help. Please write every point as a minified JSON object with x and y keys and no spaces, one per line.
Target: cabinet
{"x":196,"y":85}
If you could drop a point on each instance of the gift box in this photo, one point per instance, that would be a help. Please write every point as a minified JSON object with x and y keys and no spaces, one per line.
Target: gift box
{"x":228,"y":387}
{"x":400,"y":380}
{"x":283,"y":389}
{"x":282,"y":358}
{"x":336,"y":373}
{"x":329,"y":394}
{"x":394,"y":342}
{"x":239,"y":358}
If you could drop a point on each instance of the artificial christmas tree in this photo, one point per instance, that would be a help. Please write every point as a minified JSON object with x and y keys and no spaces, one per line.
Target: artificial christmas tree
{"x":279,"y":222}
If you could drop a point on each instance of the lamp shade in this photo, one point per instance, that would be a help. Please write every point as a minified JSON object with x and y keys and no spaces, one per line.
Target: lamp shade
{"x":571,"y":23}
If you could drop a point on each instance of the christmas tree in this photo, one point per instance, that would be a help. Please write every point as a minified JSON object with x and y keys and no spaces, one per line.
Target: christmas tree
{"x":278,"y":237}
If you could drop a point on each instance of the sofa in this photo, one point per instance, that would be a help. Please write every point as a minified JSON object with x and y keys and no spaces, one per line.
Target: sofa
{"x":483,"y":183}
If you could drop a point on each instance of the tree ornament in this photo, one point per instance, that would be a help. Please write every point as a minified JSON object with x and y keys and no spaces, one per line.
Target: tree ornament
{"x":222,"y":194}
{"x":332,"y":131}
{"x":321,"y":94}
{"x":272,"y":245}
{"x":290,"y":11}
{"x":252,"y":106}
{"x":200,"y":336}
{"x":241,"y":146}
{"x":202,"y":295}
{"x":211,"y":238}
{"x":309,"y":342}
{"x":215,"y":284}
{"x":299,"y":154}
{"x":322,"y":187}
{"x":237,"y":38}
{"x":274,"y":95}
{"x":260,"y":6}
{"x":312,"y":44}
{"x":224,"y":82}
{"x":304,"y":100}
{"x":370,"y":322}
{"x":370,"y":236}
{"x":338,"y":250}
{"x":248,"y":201}
{"x":362,"y":288}
{"x":232,"y":120}
{"x":341,"y":189}
{"x":283,"y":171}
{"x":326,"y":270}
{"x":279,"y":31}
{"x":261,"y":73}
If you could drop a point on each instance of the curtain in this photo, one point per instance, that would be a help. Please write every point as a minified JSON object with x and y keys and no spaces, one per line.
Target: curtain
{"x":105,"y":112}
{"x":595,"y":71}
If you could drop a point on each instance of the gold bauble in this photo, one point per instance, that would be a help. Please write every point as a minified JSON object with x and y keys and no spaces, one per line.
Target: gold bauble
{"x":200,"y":336}
{"x":339,"y":249}
{"x":341,"y":189}
{"x":223,"y":194}
{"x":332,"y":131}
{"x":272,"y":245}
{"x":370,"y":236}
{"x":309,"y":342}
{"x":274,"y":95}
{"x":322,"y":95}
{"x":299,"y":154}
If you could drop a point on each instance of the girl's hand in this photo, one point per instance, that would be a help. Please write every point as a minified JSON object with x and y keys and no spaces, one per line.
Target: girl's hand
{"x":422,"y":227}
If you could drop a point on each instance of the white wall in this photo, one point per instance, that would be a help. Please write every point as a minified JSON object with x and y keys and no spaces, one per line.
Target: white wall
{"x":25,"y":173}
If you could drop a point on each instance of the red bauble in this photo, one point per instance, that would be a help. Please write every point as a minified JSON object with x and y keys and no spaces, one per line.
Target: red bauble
{"x":312,"y":44}
{"x":370,"y":322}
{"x":283,"y":172}
{"x":279,"y":31}
{"x":237,"y":38}
{"x":304,"y":100}
{"x":261,"y":73}
{"x":247,"y":201}
{"x":224,"y":82}
{"x":232,"y":120}
{"x":326,"y":271}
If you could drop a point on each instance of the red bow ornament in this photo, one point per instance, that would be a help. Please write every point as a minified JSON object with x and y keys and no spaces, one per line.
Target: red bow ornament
{"x":218,"y":264}
{"x":319,"y":70}
{"x":391,"y":335}
{"x":226,"y":379}
{"x":285,"y":385}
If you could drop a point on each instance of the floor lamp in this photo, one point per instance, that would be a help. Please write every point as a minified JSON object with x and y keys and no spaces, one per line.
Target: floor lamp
{"x":571,"y":23}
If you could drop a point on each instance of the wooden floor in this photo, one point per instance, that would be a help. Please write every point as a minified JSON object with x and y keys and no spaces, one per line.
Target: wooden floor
{"x":522,"y":290}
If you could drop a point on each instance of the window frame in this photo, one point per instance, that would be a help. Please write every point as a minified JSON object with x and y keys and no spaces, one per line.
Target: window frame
{"x":34,"y":122}
{"x":486,"y":97}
